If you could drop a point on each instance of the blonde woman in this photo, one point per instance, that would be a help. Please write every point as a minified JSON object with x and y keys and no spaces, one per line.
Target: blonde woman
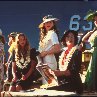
{"x":49,"y":41}
{"x":23,"y":65}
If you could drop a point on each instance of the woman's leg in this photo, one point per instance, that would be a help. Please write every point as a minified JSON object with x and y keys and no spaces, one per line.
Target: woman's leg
{"x":9,"y":72}
{"x":12,"y":88}
{"x":18,"y":88}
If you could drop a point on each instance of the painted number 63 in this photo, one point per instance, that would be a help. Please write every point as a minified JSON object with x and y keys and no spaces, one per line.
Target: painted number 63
{"x":75,"y":25}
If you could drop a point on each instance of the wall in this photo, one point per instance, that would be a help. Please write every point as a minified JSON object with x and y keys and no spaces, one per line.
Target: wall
{"x":25,"y":16}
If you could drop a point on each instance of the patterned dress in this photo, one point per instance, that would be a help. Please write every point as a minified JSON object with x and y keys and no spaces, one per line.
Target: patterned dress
{"x":1,"y":65}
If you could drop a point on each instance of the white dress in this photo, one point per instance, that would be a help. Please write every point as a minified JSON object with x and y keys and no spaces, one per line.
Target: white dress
{"x":49,"y":40}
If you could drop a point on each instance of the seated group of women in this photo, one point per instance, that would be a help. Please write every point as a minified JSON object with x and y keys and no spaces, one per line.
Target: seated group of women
{"x":24,"y":63}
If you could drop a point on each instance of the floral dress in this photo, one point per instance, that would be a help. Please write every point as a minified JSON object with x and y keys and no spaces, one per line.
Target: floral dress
{"x":1,"y":65}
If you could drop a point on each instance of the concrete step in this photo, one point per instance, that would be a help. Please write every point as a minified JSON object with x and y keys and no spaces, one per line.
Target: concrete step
{"x":43,"y":92}
{"x":37,"y":92}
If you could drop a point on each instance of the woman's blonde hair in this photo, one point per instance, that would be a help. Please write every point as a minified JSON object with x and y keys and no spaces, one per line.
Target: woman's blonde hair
{"x":19,"y":50}
{"x":43,"y":31}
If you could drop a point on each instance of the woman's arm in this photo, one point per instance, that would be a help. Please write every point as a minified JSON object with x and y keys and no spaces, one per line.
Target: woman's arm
{"x":89,"y":34}
{"x":8,"y":61}
{"x":85,"y":38}
{"x":14,"y":67}
{"x":32,"y":68}
{"x":14,"y":71}
{"x":61,"y":73}
{"x":54,"y":49}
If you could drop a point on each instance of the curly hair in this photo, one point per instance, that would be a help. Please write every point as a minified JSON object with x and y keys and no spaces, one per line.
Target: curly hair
{"x":75,"y":33}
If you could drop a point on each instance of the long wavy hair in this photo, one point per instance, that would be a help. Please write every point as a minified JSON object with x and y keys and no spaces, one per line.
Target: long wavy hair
{"x":26,"y":50}
{"x":43,"y":31}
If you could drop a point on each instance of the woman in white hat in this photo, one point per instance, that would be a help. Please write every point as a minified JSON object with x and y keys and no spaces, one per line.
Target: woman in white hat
{"x":49,"y":42}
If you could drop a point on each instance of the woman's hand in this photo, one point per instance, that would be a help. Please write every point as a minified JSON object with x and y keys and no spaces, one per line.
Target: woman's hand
{"x":14,"y":79}
{"x":43,"y":54}
{"x":67,"y":73}
{"x":6,"y":66}
{"x":23,"y":77}
{"x":95,"y":23}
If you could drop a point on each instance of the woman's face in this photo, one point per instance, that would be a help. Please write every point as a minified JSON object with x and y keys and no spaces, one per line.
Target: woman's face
{"x":95,"y":21}
{"x":95,"y":18}
{"x":48,"y":25}
{"x":70,"y":39}
{"x":22,"y":41}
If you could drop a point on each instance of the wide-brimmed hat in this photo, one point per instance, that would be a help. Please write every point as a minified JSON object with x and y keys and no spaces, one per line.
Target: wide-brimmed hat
{"x":90,"y":15}
{"x":13,"y":34}
{"x":47,"y":19}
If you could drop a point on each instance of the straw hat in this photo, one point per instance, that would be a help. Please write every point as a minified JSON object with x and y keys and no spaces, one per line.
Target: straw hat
{"x":90,"y":15}
{"x":13,"y":34}
{"x":47,"y":19}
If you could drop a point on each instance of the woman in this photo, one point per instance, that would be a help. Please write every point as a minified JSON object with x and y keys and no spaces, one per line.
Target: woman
{"x":49,"y":42}
{"x":91,"y":36}
{"x":23,"y":65}
{"x":70,"y":64}
{"x":2,"y":60}
{"x":8,"y":65}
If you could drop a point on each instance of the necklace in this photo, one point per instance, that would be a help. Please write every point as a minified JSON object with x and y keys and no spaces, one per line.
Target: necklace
{"x":63,"y":67}
{"x":21,"y":63}
{"x":45,"y":42}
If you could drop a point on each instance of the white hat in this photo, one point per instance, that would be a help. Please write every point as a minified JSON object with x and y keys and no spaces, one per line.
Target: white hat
{"x":49,"y":18}
{"x":0,"y":32}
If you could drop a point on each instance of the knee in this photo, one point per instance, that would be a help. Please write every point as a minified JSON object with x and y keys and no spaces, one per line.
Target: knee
{"x":18,"y":88}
